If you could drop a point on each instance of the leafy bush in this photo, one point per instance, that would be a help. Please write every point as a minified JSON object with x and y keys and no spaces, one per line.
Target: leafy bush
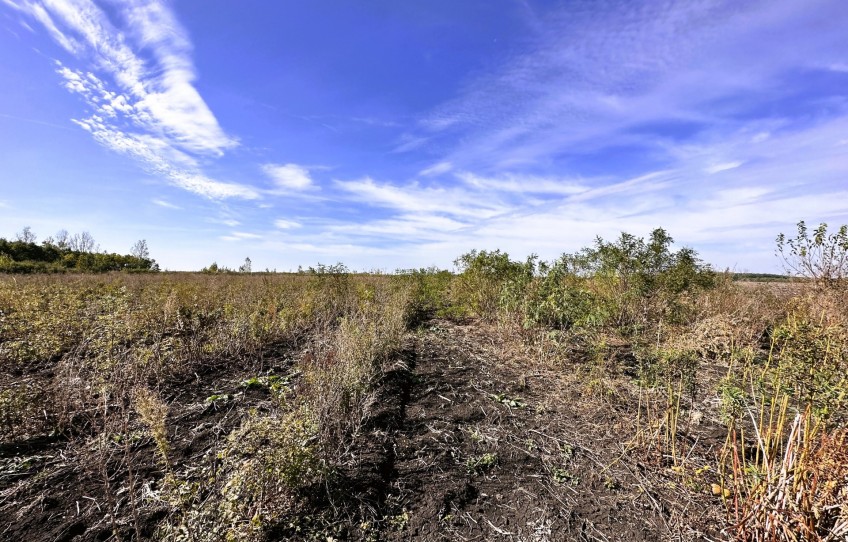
{"x":641,"y":281}
{"x":630,"y":283}
{"x":821,"y":257}
{"x":429,"y":291}
{"x":482,"y":278}
{"x":557,"y":298}
{"x":812,"y":363}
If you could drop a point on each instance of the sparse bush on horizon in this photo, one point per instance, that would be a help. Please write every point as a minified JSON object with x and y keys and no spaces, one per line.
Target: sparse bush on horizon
{"x":629,"y":283}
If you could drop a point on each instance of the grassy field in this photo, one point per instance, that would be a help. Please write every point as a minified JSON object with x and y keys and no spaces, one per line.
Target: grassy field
{"x":626,"y":392}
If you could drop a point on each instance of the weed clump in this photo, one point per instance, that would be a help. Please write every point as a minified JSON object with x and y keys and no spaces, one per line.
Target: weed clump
{"x":154,"y":413}
{"x":266,"y":462}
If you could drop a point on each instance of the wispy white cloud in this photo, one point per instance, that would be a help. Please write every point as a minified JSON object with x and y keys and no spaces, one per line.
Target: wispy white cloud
{"x":409,"y":142}
{"x":414,"y":198}
{"x":436,"y":169}
{"x":722,"y":167}
{"x":427,"y":216}
{"x":40,"y":14}
{"x":36,"y":121}
{"x":231,"y":222}
{"x":372,"y":121}
{"x":289,"y":177}
{"x":331,"y":250}
{"x":143,"y":96}
{"x":240,"y":236}
{"x":165,"y":204}
{"x":283,"y":224}
{"x":160,"y":88}
{"x":162,"y":159}
{"x":200,"y":184}
{"x":522,"y":184}
{"x":405,"y":229}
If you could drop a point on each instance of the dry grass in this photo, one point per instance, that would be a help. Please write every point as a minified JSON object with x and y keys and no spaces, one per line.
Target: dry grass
{"x":800,"y":493}
{"x":340,"y":372}
{"x":767,"y":364}
{"x":106,"y":351}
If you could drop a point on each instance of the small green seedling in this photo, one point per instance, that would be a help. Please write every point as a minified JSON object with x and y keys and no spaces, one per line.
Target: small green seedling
{"x":511,"y":402}
{"x":276,"y":383}
{"x":564,"y":476}
{"x":222,"y":397}
{"x":253,"y":382}
{"x":481,"y":464}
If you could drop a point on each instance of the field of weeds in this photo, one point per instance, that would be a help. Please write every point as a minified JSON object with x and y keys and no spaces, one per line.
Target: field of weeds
{"x":625,"y":392}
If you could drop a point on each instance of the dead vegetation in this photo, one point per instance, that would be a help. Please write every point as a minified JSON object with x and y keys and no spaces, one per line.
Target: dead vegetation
{"x":626,"y":392}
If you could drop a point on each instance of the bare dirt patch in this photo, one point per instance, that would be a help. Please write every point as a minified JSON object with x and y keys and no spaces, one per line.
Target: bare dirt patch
{"x":63,"y":487}
{"x":464,"y":444}
{"x":466,"y":439}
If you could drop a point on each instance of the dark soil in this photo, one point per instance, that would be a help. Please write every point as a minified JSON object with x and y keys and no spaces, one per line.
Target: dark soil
{"x":61,"y":488}
{"x":466,"y":439}
{"x":463,"y":445}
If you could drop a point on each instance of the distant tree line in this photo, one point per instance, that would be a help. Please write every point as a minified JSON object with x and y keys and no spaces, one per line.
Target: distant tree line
{"x":214,"y":268}
{"x":64,"y":252}
{"x":761,"y":277}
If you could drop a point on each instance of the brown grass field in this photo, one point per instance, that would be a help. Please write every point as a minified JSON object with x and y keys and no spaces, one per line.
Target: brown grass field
{"x":423,"y":406}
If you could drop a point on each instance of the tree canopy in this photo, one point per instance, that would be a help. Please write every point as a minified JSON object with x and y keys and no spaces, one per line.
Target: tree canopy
{"x":66,"y":253}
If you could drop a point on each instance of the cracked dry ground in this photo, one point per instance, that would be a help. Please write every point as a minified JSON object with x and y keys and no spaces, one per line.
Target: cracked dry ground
{"x":468,"y":445}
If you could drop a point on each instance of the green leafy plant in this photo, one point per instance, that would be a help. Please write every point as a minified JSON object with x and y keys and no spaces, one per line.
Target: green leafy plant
{"x":564,"y":476}
{"x":481,"y":464}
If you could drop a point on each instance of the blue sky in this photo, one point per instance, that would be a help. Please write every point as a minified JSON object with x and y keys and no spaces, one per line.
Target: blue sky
{"x":388,"y":134}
